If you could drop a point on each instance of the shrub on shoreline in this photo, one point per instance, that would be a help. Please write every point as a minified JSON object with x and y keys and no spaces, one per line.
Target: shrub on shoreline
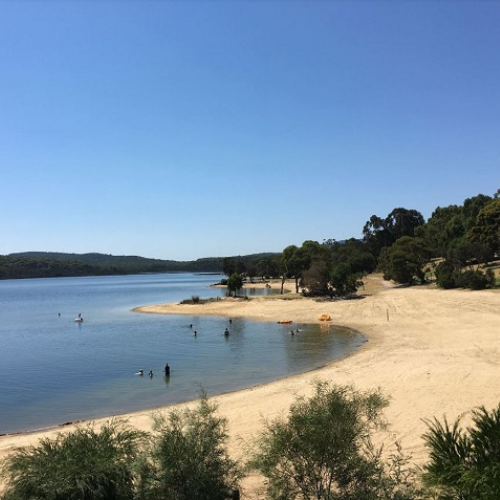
{"x":195,"y":300}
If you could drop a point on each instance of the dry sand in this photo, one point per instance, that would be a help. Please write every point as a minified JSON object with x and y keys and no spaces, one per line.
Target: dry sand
{"x":434,"y":352}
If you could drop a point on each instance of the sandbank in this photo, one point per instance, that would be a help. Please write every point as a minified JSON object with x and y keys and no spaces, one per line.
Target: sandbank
{"x":433,"y":352}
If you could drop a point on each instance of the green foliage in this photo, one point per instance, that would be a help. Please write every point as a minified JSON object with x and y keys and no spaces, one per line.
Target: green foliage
{"x":188,"y":457}
{"x":465,"y":464}
{"x":82,"y":465}
{"x":445,"y":274}
{"x":268,"y":268}
{"x":331,"y":268}
{"x":379,"y":233}
{"x":487,"y":227}
{"x":323,"y":450}
{"x":475,"y":280}
{"x":403,"y":262}
{"x":444,"y":225}
{"x":468,"y":253}
{"x":315,"y":279}
{"x":234,"y":283}
{"x":294,"y":261}
{"x":342,"y":280}
{"x":453,"y":223}
{"x":449,"y":275}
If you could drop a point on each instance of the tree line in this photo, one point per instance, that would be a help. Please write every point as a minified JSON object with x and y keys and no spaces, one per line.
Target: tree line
{"x":456,"y":246}
{"x":322,"y":449}
{"x":53,"y":265}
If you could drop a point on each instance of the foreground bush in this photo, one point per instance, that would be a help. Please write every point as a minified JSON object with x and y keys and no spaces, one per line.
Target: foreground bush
{"x":187,"y":459}
{"x":82,"y":465}
{"x":184,"y":458}
{"x":323,"y":450}
{"x":465,"y":464}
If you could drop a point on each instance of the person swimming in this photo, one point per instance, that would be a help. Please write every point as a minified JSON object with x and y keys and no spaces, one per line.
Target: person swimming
{"x":226,"y":333}
{"x":140,"y":372}
{"x":150,"y":373}
{"x":167,"y":370}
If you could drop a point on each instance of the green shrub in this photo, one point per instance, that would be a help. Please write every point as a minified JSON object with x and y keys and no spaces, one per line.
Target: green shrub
{"x":465,"y":464}
{"x":475,"y":280}
{"x":323,"y":450}
{"x":445,"y":275}
{"x":188,"y":457}
{"x":82,"y":465}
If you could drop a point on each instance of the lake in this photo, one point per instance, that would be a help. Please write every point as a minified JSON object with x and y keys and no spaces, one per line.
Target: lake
{"x":55,"y":370}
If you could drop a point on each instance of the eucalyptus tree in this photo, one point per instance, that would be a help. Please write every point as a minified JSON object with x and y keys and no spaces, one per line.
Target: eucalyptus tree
{"x":379,"y":233}
{"x":487,"y":227}
{"x":403,"y":262}
{"x":294,"y":261}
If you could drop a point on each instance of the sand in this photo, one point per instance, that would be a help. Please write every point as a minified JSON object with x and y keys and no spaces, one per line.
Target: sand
{"x":433,"y":352}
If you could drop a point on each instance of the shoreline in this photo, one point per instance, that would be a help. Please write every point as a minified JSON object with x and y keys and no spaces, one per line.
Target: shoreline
{"x":432,"y":352}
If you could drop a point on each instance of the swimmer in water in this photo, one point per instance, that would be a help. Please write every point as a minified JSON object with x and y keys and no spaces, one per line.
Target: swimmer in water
{"x":140,"y":372}
{"x":150,"y":373}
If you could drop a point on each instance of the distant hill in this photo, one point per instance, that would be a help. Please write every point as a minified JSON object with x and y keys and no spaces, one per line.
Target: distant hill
{"x":54,"y":264}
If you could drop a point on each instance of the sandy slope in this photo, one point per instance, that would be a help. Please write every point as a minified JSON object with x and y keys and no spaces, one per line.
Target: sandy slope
{"x":434,"y":352}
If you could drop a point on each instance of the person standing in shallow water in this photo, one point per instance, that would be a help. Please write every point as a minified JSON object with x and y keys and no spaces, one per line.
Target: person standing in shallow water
{"x":167,"y":370}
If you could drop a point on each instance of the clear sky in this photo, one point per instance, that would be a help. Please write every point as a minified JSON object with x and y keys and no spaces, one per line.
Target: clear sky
{"x":188,"y":129}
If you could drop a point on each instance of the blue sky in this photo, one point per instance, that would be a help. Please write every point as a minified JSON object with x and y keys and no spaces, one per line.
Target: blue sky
{"x":188,"y":129}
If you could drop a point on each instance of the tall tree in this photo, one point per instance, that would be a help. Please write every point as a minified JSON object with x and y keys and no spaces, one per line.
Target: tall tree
{"x":294,"y":262}
{"x":404,"y":261}
{"x":487,"y":227}
{"x":379,"y":233}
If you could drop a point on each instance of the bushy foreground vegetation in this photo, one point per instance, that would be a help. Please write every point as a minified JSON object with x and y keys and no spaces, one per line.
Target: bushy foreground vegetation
{"x":184,"y":458}
{"x":321,"y":450}
{"x":324,"y":450}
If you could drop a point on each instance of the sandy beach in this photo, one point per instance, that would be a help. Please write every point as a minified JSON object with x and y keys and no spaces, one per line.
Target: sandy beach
{"x":433,"y":352}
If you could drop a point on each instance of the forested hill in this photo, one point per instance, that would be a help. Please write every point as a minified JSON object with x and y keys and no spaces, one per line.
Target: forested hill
{"x":52,"y":264}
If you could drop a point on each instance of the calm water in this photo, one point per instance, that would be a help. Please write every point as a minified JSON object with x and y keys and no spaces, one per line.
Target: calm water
{"x":55,"y":370}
